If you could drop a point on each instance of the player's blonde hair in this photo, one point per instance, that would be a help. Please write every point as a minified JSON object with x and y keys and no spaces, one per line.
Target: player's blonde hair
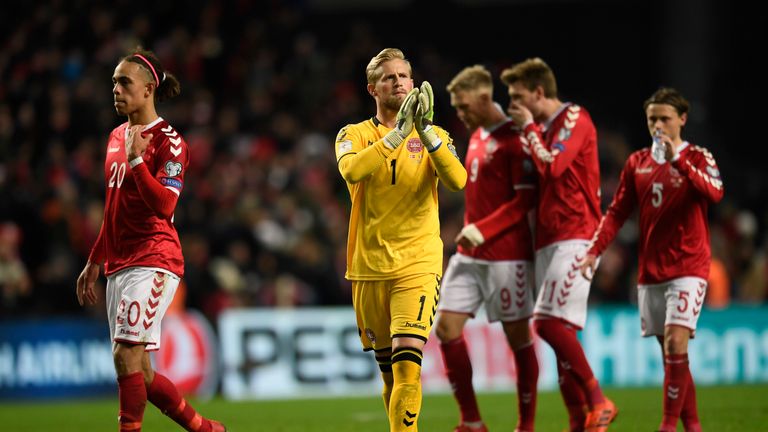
{"x":471,"y":78}
{"x":532,"y":73}
{"x":373,"y":71}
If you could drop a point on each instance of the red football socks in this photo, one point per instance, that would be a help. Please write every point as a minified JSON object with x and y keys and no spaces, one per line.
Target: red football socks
{"x":570,"y":355}
{"x":132,"y":394}
{"x":676,"y":376}
{"x":165,"y":396}
{"x":459,"y":370}
{"x":574,"y":399}
{"x":690,"y":414}
{"x":527,"y":378}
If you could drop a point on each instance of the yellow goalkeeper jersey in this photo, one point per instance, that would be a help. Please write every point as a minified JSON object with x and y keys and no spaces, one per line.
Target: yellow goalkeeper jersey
{"x":394,"y":228}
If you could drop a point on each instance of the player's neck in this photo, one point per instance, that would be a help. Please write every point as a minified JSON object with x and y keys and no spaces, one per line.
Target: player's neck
{"x":142,"y":117}
{"x":493,"y":118}
{"x":549,"y":108}
{"x":386,"y":117}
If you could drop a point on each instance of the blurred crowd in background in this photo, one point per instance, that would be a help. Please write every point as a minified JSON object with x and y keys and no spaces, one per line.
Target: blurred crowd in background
{"x":265,"y":88}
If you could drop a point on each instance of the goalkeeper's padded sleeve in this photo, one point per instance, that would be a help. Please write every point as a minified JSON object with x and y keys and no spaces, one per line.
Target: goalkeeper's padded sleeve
{"x":355,"y":167}
{"x":449,"y":168}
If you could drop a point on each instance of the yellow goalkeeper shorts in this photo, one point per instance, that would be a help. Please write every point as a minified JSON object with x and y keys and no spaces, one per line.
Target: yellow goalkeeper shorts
{"x":387,"y":309}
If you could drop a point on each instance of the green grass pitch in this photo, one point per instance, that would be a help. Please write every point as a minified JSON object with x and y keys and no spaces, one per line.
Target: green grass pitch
{"x":722,"y":408}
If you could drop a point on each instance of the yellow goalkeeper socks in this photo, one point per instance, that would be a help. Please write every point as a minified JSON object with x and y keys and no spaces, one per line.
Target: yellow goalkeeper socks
{"x":405,"y":403}
{"x":385,"y":365}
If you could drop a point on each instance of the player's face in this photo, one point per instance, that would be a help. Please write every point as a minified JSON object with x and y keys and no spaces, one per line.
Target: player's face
{"x":520,"y":94}
{"x":395,"y":83}
{"x":130,"y":88}
{"x":665,"y":118}
{"x":468,"y":108}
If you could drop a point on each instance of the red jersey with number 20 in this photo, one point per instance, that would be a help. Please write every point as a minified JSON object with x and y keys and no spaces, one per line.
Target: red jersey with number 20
{"x":500,"y":175}
{"x":134,"y":232}
{"x":673,"y":199}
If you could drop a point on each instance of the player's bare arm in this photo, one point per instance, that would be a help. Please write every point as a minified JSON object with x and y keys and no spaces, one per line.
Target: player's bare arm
{"x":86,"y":282}
{"x":588,"y":266}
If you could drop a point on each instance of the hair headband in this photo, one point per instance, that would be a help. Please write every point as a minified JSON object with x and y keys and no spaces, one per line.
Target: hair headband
{"x":152,"y":68}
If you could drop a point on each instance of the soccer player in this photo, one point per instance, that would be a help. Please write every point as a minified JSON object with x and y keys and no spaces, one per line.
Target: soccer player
{"x":671,"y":183}
{"x":563,"y":145}
{"x":138,"y":244}
{"x":392,"y":163}
{"x":494,"y":261}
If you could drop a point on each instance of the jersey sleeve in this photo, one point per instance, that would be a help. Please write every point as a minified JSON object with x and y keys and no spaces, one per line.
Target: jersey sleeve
{"x":160,"y":189}
{"x":567,"y":143}
{"x":447,"y":164}
{"x":699,"y":166}
{"x":357,"y":159}
{"x":624,"y":203}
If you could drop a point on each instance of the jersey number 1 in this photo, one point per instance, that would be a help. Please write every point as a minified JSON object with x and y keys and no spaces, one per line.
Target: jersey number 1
{"x":393,"y":164}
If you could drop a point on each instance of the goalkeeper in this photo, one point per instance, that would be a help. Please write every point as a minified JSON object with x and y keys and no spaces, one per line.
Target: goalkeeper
{"x":392,"y":163}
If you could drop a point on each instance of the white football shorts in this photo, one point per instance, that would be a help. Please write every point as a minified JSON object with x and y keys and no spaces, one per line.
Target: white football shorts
{"x":562,"y":291}
{"x":675,"y":302}
{"x":137,"y":299}
{"x":506,"y":288}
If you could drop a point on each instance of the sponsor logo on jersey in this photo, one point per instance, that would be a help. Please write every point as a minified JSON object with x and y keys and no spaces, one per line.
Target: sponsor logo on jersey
{"x":414,"y":145}
{"x":644,"y":170}
{"x":370,"y":335}
{"x":416,"y":325}
{"x":172,"y":168}
{"x":171,"y":182}
{"x":344,"y":146}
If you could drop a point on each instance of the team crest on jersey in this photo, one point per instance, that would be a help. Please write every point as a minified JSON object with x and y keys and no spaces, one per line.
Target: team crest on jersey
{"x":172,"y":168}
{"x":675,"y":178}
{"x":564,"y":134}
{"x":414,"y":145}
{"x":491,"y":146}
{"x":370,"y":335}
{"x":344,"y":146}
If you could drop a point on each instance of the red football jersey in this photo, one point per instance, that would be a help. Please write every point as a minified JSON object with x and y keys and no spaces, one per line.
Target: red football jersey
{"x":133,"y":233}
{"x":564,"y":150}
{"x":500,"y":174}
{"x":672,"y":200}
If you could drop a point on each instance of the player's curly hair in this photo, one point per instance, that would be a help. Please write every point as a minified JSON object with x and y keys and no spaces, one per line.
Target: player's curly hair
{"x":167,"y":86}
{"x":668,"y":96}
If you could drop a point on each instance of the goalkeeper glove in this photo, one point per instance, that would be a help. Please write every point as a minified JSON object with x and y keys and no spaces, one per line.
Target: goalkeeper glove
{"x":404,"y":121}
{"x":428,"y":97}
{"x":424,"y":114}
